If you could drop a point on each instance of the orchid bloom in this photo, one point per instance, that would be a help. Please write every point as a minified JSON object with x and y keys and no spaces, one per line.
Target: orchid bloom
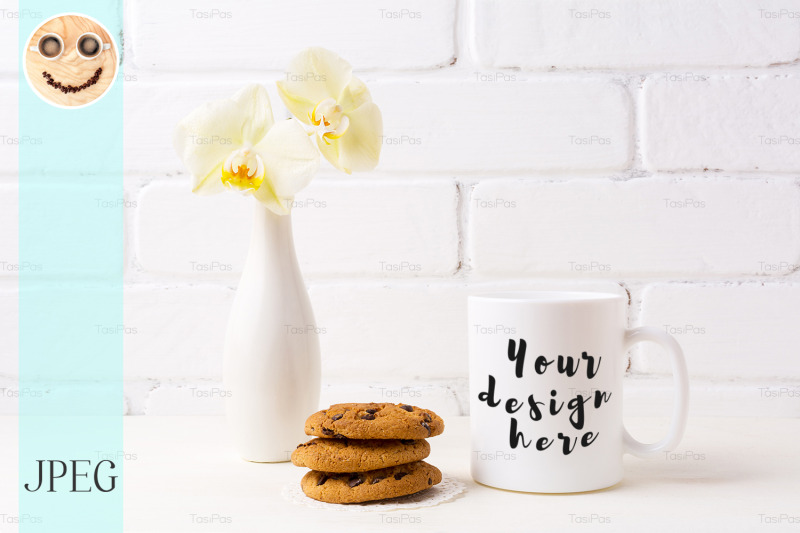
{"x":321,"y":91}
{"x":236,"y":144}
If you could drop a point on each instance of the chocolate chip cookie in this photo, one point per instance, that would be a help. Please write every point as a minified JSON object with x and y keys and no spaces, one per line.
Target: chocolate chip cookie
{"x":374,"y":421}
{"x":355,"y":455}
{"x":369,"y":486}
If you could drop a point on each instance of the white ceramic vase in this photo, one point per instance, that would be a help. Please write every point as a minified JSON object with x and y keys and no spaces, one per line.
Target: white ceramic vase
{"x":272,"y":360}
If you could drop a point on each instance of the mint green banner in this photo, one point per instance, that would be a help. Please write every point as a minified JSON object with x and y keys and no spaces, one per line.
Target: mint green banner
{"x":70,"y":298}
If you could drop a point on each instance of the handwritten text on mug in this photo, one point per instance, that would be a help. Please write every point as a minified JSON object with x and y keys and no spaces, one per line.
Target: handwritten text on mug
{"x":568,"y":366}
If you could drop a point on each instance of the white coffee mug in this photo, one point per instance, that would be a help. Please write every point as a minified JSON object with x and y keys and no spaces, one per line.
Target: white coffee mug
{"x":101,"y":46}
{"x":546,"y":371}
{"x":41,"y":48}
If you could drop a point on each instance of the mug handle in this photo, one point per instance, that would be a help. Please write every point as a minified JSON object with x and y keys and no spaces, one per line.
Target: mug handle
{"x":680,"y":408}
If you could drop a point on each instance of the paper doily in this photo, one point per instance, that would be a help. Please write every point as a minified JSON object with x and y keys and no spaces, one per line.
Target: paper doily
{"x":445,"y":491}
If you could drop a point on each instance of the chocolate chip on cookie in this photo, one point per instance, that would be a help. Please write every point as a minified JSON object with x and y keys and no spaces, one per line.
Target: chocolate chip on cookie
{"x":355,"y":455}
{"x":374,"y":421}
{"x":369,"y":486}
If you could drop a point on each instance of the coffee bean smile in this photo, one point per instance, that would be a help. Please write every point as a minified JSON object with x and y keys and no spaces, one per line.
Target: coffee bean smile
{"x":66,"y":89}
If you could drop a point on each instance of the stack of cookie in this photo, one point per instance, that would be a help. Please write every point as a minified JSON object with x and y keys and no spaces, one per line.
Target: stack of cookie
{"x":368,"y":451}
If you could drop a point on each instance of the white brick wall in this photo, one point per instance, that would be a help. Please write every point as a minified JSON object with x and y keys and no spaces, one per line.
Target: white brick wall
{"x":736,"y":122}
{"x":9,"y":34}
{"x":627,"y":34}
{"x":727,"y":330}
{"x":9,"y":129}
{"x":689,"y":226}
{"x":413,"y":35}
{"x":347,"y":226}
{"x":651,"y":149}
{"x":519,"y":125}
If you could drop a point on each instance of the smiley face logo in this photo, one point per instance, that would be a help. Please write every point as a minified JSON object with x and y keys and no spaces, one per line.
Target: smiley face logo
{"x":71,"y":60}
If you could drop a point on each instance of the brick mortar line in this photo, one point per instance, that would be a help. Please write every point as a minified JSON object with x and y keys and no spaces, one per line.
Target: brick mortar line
{"x":459,"y":73}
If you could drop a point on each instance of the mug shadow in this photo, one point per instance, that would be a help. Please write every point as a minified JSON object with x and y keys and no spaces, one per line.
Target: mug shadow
{"x":663,"y":473}
{"x":606,"y":489}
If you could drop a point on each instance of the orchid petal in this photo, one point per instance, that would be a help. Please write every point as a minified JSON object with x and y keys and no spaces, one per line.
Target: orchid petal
{"x":354,"y":95}
{"x":359,"y":148}
{"x":254,"y":112}
{"x":315,"y":74}
{"x":205,"y":137}
{"x":290,"y":159}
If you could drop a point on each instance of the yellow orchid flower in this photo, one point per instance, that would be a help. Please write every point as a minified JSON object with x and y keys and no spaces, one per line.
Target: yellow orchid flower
{"x":321,"y":91}
{"x":236,"y":144}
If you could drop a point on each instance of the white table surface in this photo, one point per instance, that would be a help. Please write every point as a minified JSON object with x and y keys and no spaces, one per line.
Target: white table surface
{"x":740,"y":474}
